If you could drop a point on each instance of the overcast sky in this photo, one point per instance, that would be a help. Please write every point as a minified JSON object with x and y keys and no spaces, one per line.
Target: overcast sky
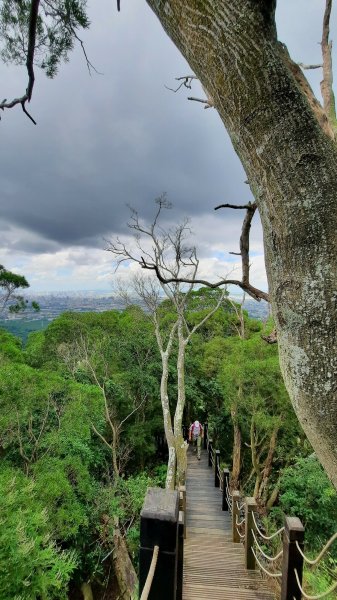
{"x":120,"y":138}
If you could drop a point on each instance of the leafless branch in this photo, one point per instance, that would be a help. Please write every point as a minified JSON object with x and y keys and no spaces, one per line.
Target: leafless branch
{"x":327,"y":82}
{"x":132,"y":412}
{"x":186,"y":81}
{"x":246,"y":287}
{"x":208,"y":103}
{"x":244,"y":284}
{"x":235,"y":206}
{"x":34,"y":11}
{"x":303,"y":66}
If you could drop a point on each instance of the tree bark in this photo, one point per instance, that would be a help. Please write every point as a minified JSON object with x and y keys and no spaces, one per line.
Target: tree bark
{"x":236,"y":462}
{"x":171,"y":465}
{"x":86,"y":590}
{"x":181,"y":446}
{"x":268,"y":464}
{"x":123,"y":567}
{"x":291,"y":165}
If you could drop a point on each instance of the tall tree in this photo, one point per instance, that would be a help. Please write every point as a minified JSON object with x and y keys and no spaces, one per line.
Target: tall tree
{"x":169,"y":256}
{"x":286,"y":143}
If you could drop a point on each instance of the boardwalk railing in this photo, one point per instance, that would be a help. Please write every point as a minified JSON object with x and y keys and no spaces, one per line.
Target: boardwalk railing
{"x":285,"y":558}
{"x":279,"y":555}
{"x":161,"y":556}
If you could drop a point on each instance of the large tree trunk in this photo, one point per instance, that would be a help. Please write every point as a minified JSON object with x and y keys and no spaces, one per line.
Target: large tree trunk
{"x":291,"y":165}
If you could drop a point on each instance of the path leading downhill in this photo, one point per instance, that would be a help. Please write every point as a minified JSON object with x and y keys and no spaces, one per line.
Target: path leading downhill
{"x":213,"y":564}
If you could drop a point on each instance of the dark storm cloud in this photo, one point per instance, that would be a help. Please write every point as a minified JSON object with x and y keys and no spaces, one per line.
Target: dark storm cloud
{"x":107,"y":140}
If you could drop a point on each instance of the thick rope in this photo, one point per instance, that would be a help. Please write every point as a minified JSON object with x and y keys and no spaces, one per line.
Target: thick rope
{"x":321,"y":554}
{"x":263,"y":569}
{"x":270,"y":558}
{"x":266,"y":537}
{"x":150,"y":575}
{"x":319,"y":596}
{"x":241,"y":522}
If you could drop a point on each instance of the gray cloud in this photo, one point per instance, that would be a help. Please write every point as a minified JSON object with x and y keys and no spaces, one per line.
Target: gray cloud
{"x":107,"y":140}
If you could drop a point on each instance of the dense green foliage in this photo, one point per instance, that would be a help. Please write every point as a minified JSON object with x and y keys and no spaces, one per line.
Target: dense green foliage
{"x":79,"y":412}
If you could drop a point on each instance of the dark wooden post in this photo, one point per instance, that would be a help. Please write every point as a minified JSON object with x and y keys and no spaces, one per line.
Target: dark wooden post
{"x":224,"y":489}
{"x":292,"y":559}
{"x":235,"y":515}
{"x":182,"y":503}
{"x":205,"y":435}
{"x":216,"y":468}
{"x":210,"y":451}
{"x":250,"y":507}
{"x":159,"y":527}
{"x":180,"y":566}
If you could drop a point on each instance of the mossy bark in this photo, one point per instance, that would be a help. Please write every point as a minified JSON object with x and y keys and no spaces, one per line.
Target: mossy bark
{"x":291,"y":166}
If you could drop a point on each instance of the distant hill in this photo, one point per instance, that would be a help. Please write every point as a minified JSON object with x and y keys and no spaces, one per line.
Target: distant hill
{"x":54,"y":304}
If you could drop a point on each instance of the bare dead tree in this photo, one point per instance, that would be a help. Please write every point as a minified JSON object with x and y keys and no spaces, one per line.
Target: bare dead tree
{"x":167,"y":254}
{"x":244,"y":283}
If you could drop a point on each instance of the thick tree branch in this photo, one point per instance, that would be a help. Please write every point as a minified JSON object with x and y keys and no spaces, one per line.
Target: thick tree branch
{"x":251,"y":290}
{"x":326,"y":83}
{"x":34,"y":11}
{"x":303,"y":83}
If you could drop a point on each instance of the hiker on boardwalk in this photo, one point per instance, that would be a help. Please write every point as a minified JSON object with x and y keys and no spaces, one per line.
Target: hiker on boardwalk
{"x":196,"y":434}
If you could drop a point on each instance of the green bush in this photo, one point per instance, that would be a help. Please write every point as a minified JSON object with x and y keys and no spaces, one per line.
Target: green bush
{"x":306,"y":492}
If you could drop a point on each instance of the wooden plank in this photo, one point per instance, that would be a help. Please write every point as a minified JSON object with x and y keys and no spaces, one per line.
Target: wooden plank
{"x":213,"y":565}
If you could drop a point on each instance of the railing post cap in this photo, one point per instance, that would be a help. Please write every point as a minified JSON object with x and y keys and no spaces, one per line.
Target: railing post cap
{"x":294,"y":529}
{"x":236,"y":494}
{"x":250,"y":503}
{"x":217,"y":452}
{"x":226,"y":471}
{"x":161,"y":504}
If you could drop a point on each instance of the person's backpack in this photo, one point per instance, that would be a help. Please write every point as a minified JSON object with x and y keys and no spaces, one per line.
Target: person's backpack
{"x":196,"y":430}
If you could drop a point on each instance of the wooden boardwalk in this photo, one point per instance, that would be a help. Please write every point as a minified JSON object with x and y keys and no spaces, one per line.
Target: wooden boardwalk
{"x":213,"y":564}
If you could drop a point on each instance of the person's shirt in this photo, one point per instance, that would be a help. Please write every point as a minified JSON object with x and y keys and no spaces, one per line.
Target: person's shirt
{"x":196,"y":429}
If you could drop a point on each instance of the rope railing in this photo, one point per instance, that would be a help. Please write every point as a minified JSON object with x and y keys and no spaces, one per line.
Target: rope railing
{"x":277,"y":575}
{"x":221,"y":478}
{"x":315,"y":562}
{"x":239,"y":524}
{"x":150,"y":575}
{"x":320,"y":555}
{"x":266,"y":556}
{"x":266,"y":537}
{"x":229,"y":500}
{"x":319,"y":596}
{"x":242,"y":522}
{"x":246,"y":529}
